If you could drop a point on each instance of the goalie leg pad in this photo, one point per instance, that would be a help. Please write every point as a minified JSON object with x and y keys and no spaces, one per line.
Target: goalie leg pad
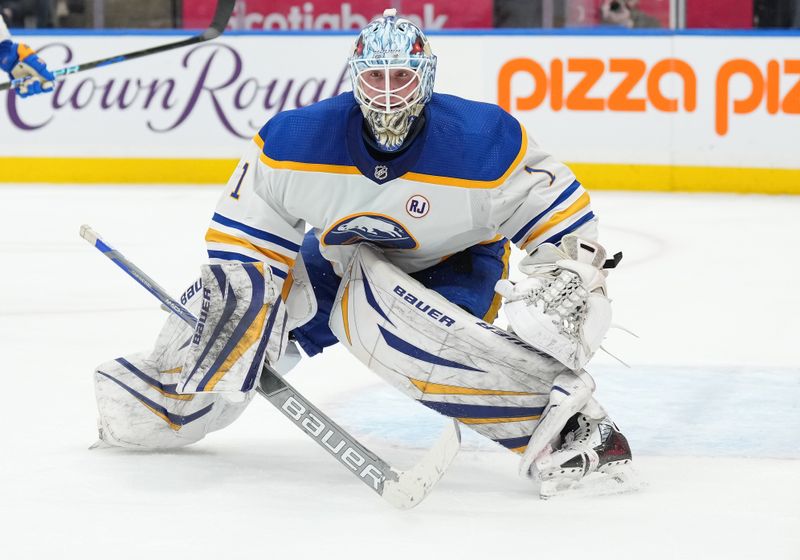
{"x":440,"y":355}
{"x":139,"y":406}
{"x":137,"y":397}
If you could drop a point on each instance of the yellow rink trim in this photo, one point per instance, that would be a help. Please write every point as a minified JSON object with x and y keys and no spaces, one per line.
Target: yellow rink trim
{"x":685,"y":178}
{"x":594,"y":176}
{"x":116,"y":170}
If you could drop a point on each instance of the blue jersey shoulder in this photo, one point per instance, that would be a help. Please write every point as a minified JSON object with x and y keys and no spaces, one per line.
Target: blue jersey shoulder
{"x":312,"y":134}
{"x":469,"y":140}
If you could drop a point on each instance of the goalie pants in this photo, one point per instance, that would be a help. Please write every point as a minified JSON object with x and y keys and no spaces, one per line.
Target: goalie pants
{"x":466,"y":279}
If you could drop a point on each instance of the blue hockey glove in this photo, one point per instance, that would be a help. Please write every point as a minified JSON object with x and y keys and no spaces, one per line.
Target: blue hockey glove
{"x":28,"y":71}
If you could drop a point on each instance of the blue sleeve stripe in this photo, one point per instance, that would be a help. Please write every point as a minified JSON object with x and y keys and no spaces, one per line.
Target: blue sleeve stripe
{"x":562,"y":197}
{"x":257,"y":233}
{"x":231,"y":256}
{"x":278,"y":272}
{"x":557,"y":237}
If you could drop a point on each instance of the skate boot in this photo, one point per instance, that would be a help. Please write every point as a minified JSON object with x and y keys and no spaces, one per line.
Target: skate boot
{"x":592,"y":458}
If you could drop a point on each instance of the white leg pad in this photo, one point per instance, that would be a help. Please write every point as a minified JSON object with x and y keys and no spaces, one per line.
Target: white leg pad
{"x":440,"y":355}
{"x":139,"y":407}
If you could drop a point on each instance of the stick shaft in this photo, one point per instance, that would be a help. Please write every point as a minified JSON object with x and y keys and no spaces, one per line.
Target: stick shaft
{"x":221,"y":16}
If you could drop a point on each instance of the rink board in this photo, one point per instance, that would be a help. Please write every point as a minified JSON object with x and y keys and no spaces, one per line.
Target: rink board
{"x":648,"y":111}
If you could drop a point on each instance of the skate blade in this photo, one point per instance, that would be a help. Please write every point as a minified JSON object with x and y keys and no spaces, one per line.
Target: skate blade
{"x":616,"y":479}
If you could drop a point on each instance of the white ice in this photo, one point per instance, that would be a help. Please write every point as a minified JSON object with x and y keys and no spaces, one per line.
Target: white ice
{"x":711,"y":403}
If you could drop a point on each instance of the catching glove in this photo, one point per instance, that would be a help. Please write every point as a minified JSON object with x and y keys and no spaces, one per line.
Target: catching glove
{"x":561,"y":308}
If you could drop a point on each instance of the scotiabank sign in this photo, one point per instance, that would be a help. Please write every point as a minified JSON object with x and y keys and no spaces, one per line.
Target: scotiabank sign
{"x":327,"y":14}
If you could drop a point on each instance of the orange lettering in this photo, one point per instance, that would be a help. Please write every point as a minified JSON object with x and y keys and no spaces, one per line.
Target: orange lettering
{"x":791,"y":103}
{"x":593,"y":69}
{"x":773,"y":86}
{"x":556,"y":84}
{"x":740,"y":106}
{"x":667,"y":66}
{"x":507,"y":72}
{"x":619,"y":99}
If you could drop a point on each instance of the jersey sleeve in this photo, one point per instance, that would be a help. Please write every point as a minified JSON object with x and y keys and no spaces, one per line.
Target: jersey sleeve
{"x":250,"y":223}
{"x":4,"y":34}
{"x":542,"y":201}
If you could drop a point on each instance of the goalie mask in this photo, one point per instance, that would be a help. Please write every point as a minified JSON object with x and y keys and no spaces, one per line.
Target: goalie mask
{"x":392,"y":70}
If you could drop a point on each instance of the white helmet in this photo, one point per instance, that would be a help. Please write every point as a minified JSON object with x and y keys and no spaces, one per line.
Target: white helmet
{"x":392,"y":69}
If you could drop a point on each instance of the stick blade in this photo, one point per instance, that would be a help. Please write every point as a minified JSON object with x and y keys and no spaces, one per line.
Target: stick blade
{"x":413,"y":485}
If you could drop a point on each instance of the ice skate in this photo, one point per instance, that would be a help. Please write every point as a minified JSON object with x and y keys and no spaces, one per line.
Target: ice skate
{"x":593,"y":458}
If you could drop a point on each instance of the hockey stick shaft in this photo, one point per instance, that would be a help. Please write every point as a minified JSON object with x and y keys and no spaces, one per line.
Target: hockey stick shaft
{"x":401,"y":489}
{"x":221,"y":17}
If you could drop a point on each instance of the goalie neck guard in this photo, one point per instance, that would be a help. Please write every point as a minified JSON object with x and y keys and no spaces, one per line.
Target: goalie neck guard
{"x":392,"y":70}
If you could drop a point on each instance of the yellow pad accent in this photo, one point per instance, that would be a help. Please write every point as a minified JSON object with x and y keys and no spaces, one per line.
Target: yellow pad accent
{"x":497,"y":300}
{"x":251,"y":336}
{"x":345,"y":316}
{"x":441,"y":389}
{"x":497,"y":420}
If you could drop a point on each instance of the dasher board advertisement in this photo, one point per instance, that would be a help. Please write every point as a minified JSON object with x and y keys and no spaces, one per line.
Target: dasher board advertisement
{"x":656,"y":111}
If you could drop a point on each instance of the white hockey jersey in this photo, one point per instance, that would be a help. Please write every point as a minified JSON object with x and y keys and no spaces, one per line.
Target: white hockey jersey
{"x":472,"y":175}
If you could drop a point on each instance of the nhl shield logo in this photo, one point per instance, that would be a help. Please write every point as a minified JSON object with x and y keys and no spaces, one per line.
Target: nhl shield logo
{"x":381,"y":172}
{"x":418,"y":206}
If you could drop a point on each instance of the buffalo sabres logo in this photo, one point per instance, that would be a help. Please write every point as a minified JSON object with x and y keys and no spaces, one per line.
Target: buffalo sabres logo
{"x":373,"y":228}
{"x":381,"y":172}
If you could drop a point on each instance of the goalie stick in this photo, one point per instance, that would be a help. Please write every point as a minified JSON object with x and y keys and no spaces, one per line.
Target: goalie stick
{"x":402,"y":489}
{"x":221,"y":17}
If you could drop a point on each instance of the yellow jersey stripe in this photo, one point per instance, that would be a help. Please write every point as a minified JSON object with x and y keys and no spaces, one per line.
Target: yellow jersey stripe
{"x":301,"y":166}
{"x":313,"y":167}
{"x":216,"y":236}
{"x":470,"y":183}
{"x":441,"y":389}
{"x":578,"y":205}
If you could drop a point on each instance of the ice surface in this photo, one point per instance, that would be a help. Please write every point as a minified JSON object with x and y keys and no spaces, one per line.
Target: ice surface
{"x":711,"y":403}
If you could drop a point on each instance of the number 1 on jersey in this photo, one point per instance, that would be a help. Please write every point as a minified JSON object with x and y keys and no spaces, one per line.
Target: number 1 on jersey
{"x":235,"y":193}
